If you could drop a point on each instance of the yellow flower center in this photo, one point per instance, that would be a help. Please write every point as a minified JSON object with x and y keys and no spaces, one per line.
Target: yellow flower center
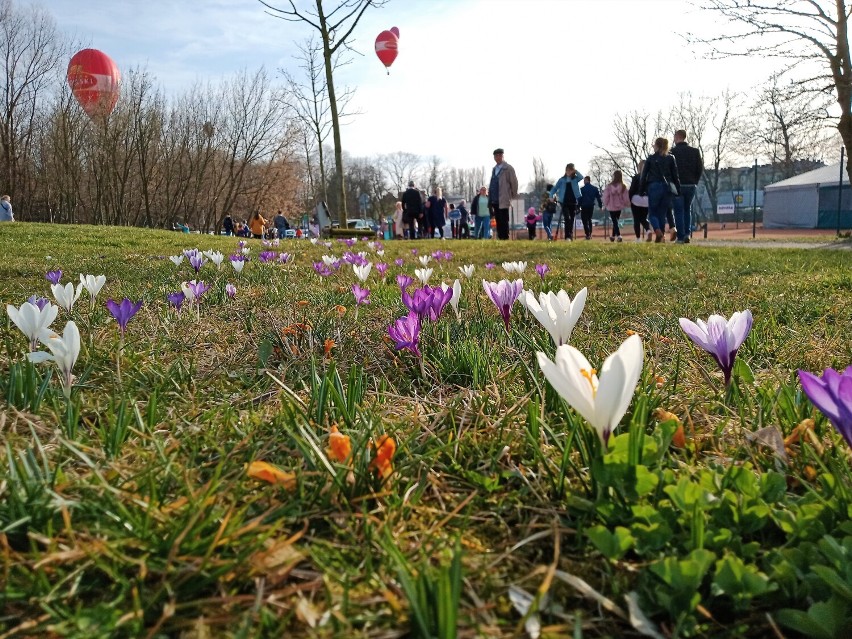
{"x":590,"y":377}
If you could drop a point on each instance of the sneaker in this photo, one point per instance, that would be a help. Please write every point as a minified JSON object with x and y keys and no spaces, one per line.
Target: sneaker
{"x":672,"y":235}
{"x":619,"y":239}
{"x":686,"y":241}
{"x":638,"y":239}
{"x":588,"y":237}
{"x":659,"y":236}
{"x":612,"y":238}
{"x":649,"y":235}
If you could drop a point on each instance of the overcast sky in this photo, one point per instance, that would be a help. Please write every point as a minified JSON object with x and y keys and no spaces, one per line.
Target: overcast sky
{"x":540,"y":78}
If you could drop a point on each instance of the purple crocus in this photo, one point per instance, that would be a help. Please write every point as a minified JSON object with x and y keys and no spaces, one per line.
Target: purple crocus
{"x":427,"y":302}
{"x":350,"y":242}
{"x":321,"y":269}
{"x":123,"y":312}
{"x":399,"y":261}
{"x":404,"y":281}
{"x":405,"y":332}
{"x":39,"y":302}
{"x":414,"y":252}
{"x":832,"y":394}
{"x":196,"y":260}
{"x":542,"y":270}
{"x":230,"y":290}
{"x":720,"y":337}
{"x":503,"y":294}
{"x":284,"y":258}
{"x":362,"y":295}
{"x":194,"y":290}
{"x":176,"y":299}
{"x":489,"y":265}
{"x":53,"y":276}
{"x":242,"y":244}
{"x":381,"y":268}
{"x":266,"y":256}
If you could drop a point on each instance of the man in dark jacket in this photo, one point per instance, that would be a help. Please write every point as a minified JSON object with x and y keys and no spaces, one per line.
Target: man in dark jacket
{"x":589,"y":193}
{"x":412,"y":209}
{"x":690,"y":167}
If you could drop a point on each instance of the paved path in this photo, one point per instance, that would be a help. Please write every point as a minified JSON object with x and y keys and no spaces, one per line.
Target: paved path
{"x":838,"y":245}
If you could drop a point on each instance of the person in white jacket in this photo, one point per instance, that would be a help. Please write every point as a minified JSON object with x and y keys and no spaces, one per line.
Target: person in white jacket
{"x":6,"y":214}
{"x":616,"y":198}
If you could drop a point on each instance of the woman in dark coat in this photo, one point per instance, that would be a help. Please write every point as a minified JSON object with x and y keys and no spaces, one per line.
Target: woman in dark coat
{"x":436,"y":208}
{"x":659,"y":182}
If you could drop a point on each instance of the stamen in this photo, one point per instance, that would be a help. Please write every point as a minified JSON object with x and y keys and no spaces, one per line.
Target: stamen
{"x":589,"y":375}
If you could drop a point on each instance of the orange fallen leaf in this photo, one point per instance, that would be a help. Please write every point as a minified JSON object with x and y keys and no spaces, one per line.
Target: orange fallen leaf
{"x":264,"y":471}
{"x":327,"y":346}
{"x":339,"y":445}
{"x":302,"y":303}
{"x":630,"y":332}
{"x":382,"y":463}
{"x":341,"y":310}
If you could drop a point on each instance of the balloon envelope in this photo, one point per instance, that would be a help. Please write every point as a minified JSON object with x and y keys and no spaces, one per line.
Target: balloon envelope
{"x":395,"y":31}
{"x":386,"y":47}
{"x":94,"y":81}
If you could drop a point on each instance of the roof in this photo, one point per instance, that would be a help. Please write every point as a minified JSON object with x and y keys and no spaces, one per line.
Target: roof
{"x":825,"y":175}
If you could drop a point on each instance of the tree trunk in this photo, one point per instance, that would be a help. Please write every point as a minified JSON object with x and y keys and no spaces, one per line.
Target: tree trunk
{"x":335,"y":122}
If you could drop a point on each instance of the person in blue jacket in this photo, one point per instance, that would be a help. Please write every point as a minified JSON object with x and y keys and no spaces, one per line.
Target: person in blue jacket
{"x":567,"y":191}
{"x":589,"y":193}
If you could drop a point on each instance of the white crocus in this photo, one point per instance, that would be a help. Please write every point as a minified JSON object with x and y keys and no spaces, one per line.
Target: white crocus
{"x":454,"y":300}
{"x":314,"y":240}
{"x":188,"y":292}
{"x":467,"y":270}
{"x":330,"y":260}
{"x":63,"y":350}
{"x":176,"y":259}
{"x":425,"y":259}
{"x":93,"y":284}
{"x":217,"y":257}
{"x":66,"y":295}
{"x":423,"y":274}
{"x":362,"y":272}
{"x":556,"y":312}
{"x":238,"y":265}
{"x":245,"y":250}
{"x":380,"y":252}
{"x":601,"y":401}
{"x":31,"y":319}
{"x":514,"y":267}
{"x":371,"y":246}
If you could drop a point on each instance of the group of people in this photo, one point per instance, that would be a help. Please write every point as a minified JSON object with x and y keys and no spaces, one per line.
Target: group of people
{"x":257,"y":226}
{"x":660,"y":194}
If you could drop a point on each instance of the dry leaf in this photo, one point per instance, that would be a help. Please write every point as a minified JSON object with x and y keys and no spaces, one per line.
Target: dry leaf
{"x":271,"y":474}
{"x":382,"y":463}
{"x":339,"y":446}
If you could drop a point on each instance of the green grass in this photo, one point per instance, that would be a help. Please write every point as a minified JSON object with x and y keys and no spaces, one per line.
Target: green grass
{"x":129,"y":513}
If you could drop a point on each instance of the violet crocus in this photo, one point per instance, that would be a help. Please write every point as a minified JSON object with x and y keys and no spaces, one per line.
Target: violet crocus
{"x":193,"y":290}
{"x":427,"y":302}
{"x":53,"y":276}
{"x":489,"y":265}
{"x":230,"y":291}
{"x":196,"y":261}
{"x":123,"y":312}
{"x":542,"y":270}
{"x":176,"y":299}
{"x":399,"y":261}
{"x":720,"y":337}
{"x":321,"y":269}
{"x":832,"y":394}
{"x":39,"y":302}
{"x":266,"y":256}
{"x":405,"y":333}
{"x":362,"y":295}
{"x":404,"y":281}
{"x":504,"y":294}
{"x":284,"y":258}
{"x":381,"y":268}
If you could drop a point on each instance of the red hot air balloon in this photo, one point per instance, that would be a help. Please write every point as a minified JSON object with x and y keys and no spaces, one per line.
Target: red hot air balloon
{"x":386,"y":48}
{"x":395,"y":31}
{"x":94,"y":79}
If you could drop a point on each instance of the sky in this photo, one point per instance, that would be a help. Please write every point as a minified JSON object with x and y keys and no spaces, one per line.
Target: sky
{"x":539,"y":78}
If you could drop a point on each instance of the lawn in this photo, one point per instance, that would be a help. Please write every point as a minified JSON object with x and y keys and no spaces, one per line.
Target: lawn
{"x":454,"y":495}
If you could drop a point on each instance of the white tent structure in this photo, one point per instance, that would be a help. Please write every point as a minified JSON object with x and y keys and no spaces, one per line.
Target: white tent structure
{"x":808,"y":200}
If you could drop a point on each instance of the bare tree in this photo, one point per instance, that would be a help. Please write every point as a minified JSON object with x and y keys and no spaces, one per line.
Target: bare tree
{"x":400,"y":168}
{"x":812,"y":34}
{"x":335,"y":27}
{"x":539,"y":177}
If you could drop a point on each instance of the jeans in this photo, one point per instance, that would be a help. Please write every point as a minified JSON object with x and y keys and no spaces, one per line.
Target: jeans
{"x":615,"y":216}
{"x":481,"y":227}
{"x":586,"y":215}
{"x":659,"y":199}
{"x":546,"y":219}
{"x":682,"y":210}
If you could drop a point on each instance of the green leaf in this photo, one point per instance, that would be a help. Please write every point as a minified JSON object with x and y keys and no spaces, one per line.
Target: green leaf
{"x":612,"y":545}
{"x":743,"y":371}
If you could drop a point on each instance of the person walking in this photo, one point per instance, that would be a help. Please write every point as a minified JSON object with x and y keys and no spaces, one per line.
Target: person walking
{"x":228,"y":225}
{"x":436,"y":207}
{"x":639,"y":207}
{"x":548,"y":209}
{"x":502,"y":190}
{"x":455,"y":218}
{"x":257,"y":224}
{"x":589,"y":194}
{"x":482,"y":214}
{"x":659,"y":182}
{"x":690,"y":167}
{"x":616,"y":198}
{"x":281,"y":224}
{"x":531,"y":220}
{"x":464,"y":220}
{"x":567,"y":192}
{"x":412,"y":209}
{"x":6,"y":214}
{"x":397,"y":221}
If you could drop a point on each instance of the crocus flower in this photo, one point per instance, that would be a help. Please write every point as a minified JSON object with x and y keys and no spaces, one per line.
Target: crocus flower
{"x":63,"y":350}
{"x":190,"y":252}
{"x":330,"y":260}
{"x":93,"y":285}
{"x":123,"y":312}
{"x":339,"y":446}
{"x":362,"y":272}
{"x":53,"y":276}
{"x":424,"y":260}
{"x":321,"y":269}
{"x":382,"y":463}
{"x":720,"y":337}
{"x":266,"y":256}
{"x":32,"y":320}
{"x":216,"y":257}
{"x":503,"y":294}
{"x":832,"y":394}
{"x":176,"y":259}
{"x":380,"y":252}
{"x":237,"y":264}
{"x":542,"y":270}
{"x":196,"y":261}
{"x":350,"y":242}
{"x":454,"y":300}
{"x":427,"y":302}
{"x":423,"y":274}
{"x":414,"y":252}
{"x":556,"y":312}
{"x":467,"y":270}
{"x":314,"y":240}
{"x":241,"y":244}
{"x":381,"y":269}
{"x":399,"y":261}
{"x":404,"y":281}
{"x":176,"y":299}
{"x":41,"y":302}
{"x":602,"y":402}
{"x":194,"y":290}
{"x":230,"y":290}
{"x":362,"y":295}
{"x":405,"y":332}
{"x":514,"y":267}
{"x":489,"y":265}
{"x":284,"y":258}
{"x":66,"y":295}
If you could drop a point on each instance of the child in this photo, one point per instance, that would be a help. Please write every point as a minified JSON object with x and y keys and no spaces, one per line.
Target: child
{"x":532,"y":219}
{"x":548,"y":209}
